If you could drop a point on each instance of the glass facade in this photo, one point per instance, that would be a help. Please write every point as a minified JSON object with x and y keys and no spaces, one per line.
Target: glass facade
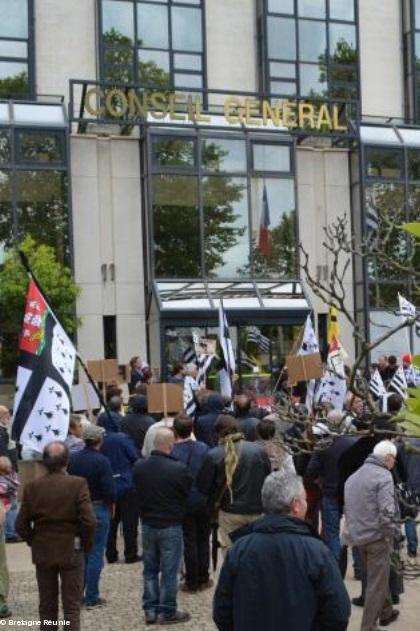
{"x":222,"y":206}
{"x":392,"y":197}
{"x":309,"y":48}
{"x":155,"y":43}
{"x":16,"y":81}
{"x":34,"y":189}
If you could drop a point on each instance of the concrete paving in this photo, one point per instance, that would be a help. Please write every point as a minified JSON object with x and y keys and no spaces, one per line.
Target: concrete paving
{"x":121,"y":585}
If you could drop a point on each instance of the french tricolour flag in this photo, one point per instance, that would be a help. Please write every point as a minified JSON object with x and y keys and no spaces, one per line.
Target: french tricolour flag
{"x":264,"y":241}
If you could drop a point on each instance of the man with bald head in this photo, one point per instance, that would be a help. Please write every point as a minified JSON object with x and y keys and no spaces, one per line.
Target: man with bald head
{"x":57,"y":521}
{"x":163,"y":485}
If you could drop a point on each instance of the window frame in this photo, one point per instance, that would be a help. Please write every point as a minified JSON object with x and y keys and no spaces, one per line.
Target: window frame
{"x":29,"y":59}
{"x":173,"y":69}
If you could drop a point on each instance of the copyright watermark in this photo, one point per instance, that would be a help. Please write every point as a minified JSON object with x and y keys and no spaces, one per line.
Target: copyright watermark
{"x":34,"y":623}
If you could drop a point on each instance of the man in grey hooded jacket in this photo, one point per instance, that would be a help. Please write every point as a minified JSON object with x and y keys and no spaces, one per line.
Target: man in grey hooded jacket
{"x":371,"y":511}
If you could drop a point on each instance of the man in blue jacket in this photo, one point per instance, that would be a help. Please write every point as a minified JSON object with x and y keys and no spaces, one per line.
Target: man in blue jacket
{"x":96,"y":469}
{"x":121,"y":453}
{"x":163,"y":485}
{"x":196,"y":526}
{"x":281,"y":562}
{"x":204,"y":425}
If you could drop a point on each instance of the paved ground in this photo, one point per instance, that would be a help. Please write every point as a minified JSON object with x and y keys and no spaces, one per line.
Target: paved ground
{"x":121,"y":586}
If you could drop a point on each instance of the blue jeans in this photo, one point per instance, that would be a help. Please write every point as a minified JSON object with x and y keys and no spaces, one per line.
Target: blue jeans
{"x":9,"y":527}
{"x":331,"y":522}
{"x":411,"y":534}
{"x":95,"y":558}
{"x":162,"y":552}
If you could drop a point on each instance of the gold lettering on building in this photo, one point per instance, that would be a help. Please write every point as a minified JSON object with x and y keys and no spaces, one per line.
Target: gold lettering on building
{"x":117,"y":103}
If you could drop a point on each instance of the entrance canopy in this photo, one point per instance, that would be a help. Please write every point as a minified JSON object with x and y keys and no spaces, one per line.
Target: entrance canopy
{"x":249,"y":300}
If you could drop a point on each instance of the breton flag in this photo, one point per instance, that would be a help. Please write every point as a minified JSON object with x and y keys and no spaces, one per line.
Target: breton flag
{"x":254,"y":335}
{"x":309,"y":342}
{"x":228,"y":355}
{"x":45,"y":374}
{"x":190,"y":388}
{"x":376,"y":385}
{"x":372,"y":226}
{"x":407,"y":309}
{"x":264,"y":240}
{"x":398,"y":383}
{"x":333,"y":386}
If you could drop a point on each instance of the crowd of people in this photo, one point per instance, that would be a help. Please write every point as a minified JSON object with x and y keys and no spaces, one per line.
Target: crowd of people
{"x":280,"y":496}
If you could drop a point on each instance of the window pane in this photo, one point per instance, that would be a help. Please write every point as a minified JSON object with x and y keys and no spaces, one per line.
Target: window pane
{"x":384,"y":162}
{"x":226,"y":240}
{"x":312,"y":40}
{"x":118,"y":22}
{"x":186,"y":29}
{"x":154,"y":67}
{"x":273,"y":227}
{"x":343,"y":42}
{"x":414,"y":164}
{"x":187,"y":62}
{"x":188,"y":80}
{"x":173,"y":152}
{"x":311,"y":8}
{"x":152,"y":26}
{"x":282,"y":70}
{"x":14,"y":18}
{"x":13,"y":49}
{"x":312,"y":80}
{"x":281,"y":6}
{"x":281,"y":38}
{"x":175,"y":206}
{"x":13,"y":79}
{"x":271,"y":157}
{"x":414,"y":203}
{"x":40,"y":147}
{"x":43,"y":209}
{"x":6,"y":222}
{"x":4,"y":146}
{"x":223,"y":155}
{"x":342,"y":10}
{"x":384,"y":295}
{"x":417,"y":13}
{"x":281,"y":88}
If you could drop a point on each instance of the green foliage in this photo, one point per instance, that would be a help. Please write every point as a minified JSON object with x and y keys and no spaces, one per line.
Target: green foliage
{"x":412,"y":228}
{"x":16,"y":86}
{"x":55,"y":279}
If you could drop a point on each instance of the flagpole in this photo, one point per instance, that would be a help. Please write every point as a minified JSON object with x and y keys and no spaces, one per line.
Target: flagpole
{"x":25,"y":263}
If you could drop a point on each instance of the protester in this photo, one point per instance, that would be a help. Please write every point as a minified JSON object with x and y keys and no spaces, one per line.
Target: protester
{"x":411,"y":459}
{"x":371,"y":514}
{"x":111,"y":418}
{"x":177,"y":375}
{"x":4,"y":433}
{"x":323,"y":468}
{"x":149,"y":438}
{"x":278,"y":572}
{"x":266,"y":431}
{"x":247,"y":422}
{"x":137,"y":365}
{"x":385,"y":370}
{"x":136,"y":423}
{"x":9,"y":485}
{"x":163,"y":485}
{"x":57,"y":521}
{"x":121,"y":453}
{"x":232,"y":476}
{"x":96,"y":469}
{"x":204,"y":425}
{"x":74,"y":440}
{"x":196,"y":525}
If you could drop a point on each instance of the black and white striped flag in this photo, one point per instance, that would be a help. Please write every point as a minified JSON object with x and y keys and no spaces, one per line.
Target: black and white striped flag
{"x":398,"y":383}
{"x":254,"y":335}
{"x":246,"y":361}
{"x":203,"y":365}
{"x":228,"y":355}
{"x":372,"y":226}
{"x":376,"y":385}
{"x":189,"y":356}
{"x":407,"y":309}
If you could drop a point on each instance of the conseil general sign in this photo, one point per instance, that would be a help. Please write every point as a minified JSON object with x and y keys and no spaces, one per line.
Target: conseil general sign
{"x":128,"y":105}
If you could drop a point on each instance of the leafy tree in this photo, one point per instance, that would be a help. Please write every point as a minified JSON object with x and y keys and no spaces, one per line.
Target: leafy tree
{"x":57,"y":282}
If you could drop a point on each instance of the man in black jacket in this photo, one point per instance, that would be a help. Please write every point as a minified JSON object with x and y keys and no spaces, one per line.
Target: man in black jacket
{"x":232,"y":476}
{"x":281,"y":562}
{"x":137,"y":421}
{"x":163,"y":485}
{"x":247,"y":422}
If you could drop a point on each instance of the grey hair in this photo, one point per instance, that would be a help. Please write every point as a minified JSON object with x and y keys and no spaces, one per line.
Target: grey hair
{"x":164,"y":438}
{"x":279,"y":490}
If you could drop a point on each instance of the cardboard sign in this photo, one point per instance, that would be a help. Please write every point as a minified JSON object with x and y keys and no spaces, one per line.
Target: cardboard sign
{"x":303,"y":367}
{"x":165,"y":397}
{"x":103,"y":370}
{"x":204,"y":346}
